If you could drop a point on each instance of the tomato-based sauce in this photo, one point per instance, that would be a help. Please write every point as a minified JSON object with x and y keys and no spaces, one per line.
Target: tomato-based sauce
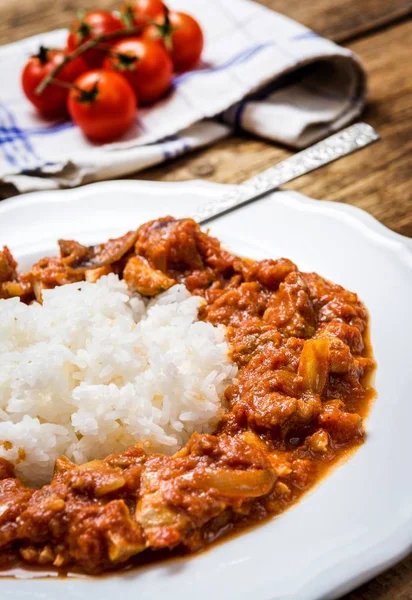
{"x":303,"y":387}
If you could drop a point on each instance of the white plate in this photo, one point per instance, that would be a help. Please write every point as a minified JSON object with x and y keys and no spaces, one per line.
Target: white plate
{"x":358,"y":521}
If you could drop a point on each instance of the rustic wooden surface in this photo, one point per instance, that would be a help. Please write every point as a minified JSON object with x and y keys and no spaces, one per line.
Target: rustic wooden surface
{"x":375,"y":179}
{"x":336,"y":19}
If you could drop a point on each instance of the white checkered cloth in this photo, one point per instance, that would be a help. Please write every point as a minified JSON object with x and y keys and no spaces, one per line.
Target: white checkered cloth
{"x":261,"y":72}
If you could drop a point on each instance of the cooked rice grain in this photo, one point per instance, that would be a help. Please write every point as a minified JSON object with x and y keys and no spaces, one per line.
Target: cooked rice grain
{"x":95,"y":370}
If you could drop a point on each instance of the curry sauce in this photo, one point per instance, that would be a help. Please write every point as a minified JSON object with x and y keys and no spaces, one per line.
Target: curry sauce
{"x":296,"y":408}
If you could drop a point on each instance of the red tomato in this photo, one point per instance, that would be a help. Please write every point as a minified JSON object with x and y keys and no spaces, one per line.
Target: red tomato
{"x":106,"y":106}
{"x":52,"y":103}
{"x":139,"y":12}
{"x":145,"y":64}
{"x":97,"y":22}
{"x":182,"y":36}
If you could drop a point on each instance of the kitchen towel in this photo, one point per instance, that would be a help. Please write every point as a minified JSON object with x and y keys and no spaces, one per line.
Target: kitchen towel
{"x":261,"y":72}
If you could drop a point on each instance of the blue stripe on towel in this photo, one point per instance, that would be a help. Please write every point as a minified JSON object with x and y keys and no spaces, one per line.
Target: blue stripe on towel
{"x":305,"y":35}
{"x":26,"y":143}
{"x":240,"y":109}
{"x":175,"y":146}
{"x":50,"y":129}
{"x":238,"y":59}
{"x":10,"y":144}
{"x":15,"y":144}
{"x":12,"y":133}
{"x":9,"y":157}
{"x":168,"y":151}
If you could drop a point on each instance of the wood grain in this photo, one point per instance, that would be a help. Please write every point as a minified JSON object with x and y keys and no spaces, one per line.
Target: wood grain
{"x":336,"y":19}
{"x":341,"y":20}
{"x":395,"y":584}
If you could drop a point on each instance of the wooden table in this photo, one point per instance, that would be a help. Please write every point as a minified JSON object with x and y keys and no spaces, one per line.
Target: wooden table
{"x":375,"y":179}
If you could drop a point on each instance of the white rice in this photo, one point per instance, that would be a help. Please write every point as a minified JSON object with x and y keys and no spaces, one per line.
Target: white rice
{"x":93,"y":371}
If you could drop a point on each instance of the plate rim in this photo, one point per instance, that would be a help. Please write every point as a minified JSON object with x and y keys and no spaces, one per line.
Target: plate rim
{"x":363,"y":565}
{"x":357,"y":213}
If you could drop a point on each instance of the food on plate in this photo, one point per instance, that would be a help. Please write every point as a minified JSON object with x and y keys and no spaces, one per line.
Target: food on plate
{"x":91,"y":25}
{"x":144,"y":46}
{"x":102,"y":104}
{"x":205,"y":391}
{"x":52,"y":103}
{"x":141,"y":12}
{"x":111,"y":362}
{"x":145,"y":64}
{"x":181,"y":35}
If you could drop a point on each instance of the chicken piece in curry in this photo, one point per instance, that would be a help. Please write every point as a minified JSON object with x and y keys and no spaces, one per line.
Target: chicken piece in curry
{"x":300,"y":343}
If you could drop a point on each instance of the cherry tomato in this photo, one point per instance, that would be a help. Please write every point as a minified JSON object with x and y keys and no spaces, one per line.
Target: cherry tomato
{"x":182,"y":36}
{"x":139,"y":12}
{"x":103,"y":104}
{"x":145,"y":64}
{"x":52,"y":103}
{"x":97,"y":22}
